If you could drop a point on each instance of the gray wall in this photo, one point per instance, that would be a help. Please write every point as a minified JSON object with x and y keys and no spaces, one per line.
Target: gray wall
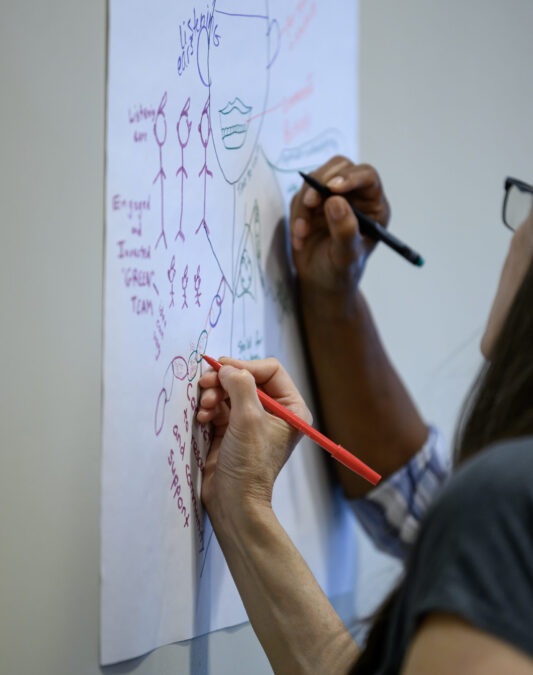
{"x":446,"y":109}
{"x":446,"y":103}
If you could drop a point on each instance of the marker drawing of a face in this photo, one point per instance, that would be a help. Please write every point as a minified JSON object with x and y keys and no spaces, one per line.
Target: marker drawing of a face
{"x":234,"y":123}
{"x":238,"y":75}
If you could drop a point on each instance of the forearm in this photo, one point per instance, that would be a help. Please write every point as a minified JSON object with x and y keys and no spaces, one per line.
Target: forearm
{"x":364,"y":404}
{"x":293,"y":619}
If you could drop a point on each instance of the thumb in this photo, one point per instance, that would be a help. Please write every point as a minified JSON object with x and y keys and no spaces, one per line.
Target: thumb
{"x":241,"y":388}
{"x":343,"y":229}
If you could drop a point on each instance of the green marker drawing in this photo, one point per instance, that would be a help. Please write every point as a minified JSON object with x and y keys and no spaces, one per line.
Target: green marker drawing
{"x":233,"y":123}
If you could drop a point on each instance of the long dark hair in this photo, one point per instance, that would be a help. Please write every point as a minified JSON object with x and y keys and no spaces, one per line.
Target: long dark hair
{"x":499,"y":405}
{"x":500,"y":402}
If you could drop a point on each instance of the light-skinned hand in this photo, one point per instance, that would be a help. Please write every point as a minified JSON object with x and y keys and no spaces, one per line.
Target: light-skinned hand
{"x":250,"y":446}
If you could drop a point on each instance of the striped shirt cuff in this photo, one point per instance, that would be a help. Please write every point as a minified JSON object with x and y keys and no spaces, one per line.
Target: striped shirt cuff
{"x":391,"y":513}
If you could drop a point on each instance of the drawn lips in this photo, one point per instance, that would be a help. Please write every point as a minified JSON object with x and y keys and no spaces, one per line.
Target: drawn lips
{"x":234,"y":123}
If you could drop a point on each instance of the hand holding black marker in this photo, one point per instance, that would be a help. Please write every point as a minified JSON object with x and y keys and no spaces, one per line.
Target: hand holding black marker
{"x":368,"y":227}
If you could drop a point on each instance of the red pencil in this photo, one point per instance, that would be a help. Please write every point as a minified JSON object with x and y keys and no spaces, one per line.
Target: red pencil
{"x":337,"y":451}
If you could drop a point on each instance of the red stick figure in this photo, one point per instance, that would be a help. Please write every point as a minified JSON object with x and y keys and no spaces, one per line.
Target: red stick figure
{"x":183,"y":129}
{"x":197,"y":282}
{"x":171,"y":276}
{"x":184,"y":282}
{"x":204,"y":129}
{"x":160,"y":133}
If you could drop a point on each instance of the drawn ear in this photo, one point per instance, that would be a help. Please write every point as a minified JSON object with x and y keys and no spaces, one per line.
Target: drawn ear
{"x":274,"y":41}
{"x":202,"y":56}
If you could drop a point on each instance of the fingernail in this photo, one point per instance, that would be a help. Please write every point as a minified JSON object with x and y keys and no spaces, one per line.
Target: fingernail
{"x":297,"y":243}
{"x":336,"y":208}
{"x":336,"y":182}
{"x":311,"y":197}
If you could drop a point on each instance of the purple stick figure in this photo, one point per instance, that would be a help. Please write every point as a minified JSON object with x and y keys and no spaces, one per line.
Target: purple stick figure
{"x":183,"y":128}
{"x":205,"y":133}
{"x":171,"y":276}
{"x":197,"y":282}
{"x":160,"y":133}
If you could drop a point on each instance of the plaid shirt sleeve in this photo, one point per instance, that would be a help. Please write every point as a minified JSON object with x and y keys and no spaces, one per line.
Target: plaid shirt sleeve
{"x":391,"y":513}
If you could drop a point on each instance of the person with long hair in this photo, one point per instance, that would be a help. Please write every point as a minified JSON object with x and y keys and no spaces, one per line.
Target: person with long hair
{"x":465,"y":602}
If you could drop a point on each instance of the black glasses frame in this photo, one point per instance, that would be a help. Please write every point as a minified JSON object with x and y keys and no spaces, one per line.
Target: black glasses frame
{"x":509,"y":183}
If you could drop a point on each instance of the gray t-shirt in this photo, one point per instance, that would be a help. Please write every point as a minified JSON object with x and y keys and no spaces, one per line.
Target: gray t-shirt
{"x":473,"y":557}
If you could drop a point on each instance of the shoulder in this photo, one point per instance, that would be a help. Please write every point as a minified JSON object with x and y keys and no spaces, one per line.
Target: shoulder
{"x":487,"y":505}
{"x":498,"y":479}
{"x":480,"y":526}
{"x":474,"y":556}
{"x":509,"y":457}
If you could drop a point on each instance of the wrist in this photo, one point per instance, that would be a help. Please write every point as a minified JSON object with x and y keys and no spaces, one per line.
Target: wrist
{"x":239,"y":518}
{"x":330,"y":305}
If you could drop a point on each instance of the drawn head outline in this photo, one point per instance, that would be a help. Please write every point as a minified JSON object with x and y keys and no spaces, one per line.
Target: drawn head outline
{"x":184,"y":124}
{"x":160,"y":123}
{"x":204,"y":125}
{"x":234,"y":58}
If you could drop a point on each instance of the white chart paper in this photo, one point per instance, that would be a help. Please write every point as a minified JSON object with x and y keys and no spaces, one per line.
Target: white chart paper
{"x":212,"y":110}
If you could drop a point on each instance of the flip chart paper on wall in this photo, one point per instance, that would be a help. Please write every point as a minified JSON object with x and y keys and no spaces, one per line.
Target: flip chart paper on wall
{"x":212,"y":110}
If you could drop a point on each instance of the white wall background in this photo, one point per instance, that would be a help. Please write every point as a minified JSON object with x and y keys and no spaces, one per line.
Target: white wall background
{"x":446,"y":105}
{"x":446,"y":110}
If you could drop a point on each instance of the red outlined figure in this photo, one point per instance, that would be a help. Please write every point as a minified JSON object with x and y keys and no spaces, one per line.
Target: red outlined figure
{"x":176,"y":370}
{"x":197,"y":282}
{"x":171,"y":276}
{"x":204,"y":129}
{"x":160,"y":133}
{"x":179,"y":367}
{"x":184,"y":282}
{"x":183,"y":129}
{"x":182,"y":369}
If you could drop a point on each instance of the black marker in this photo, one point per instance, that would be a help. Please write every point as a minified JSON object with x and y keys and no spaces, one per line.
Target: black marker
{"x":369,"y":227}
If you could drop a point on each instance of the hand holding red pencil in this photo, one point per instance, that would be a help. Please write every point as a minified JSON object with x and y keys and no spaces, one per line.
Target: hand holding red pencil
{"x":250,"y":446}
{"x":263,"y":442}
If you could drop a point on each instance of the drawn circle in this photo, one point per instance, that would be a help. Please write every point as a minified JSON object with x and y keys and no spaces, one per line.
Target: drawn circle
{"x":185,"y":278}
{"x":184,"y":124}
{"x":200,"y":51}
{"x":202,"y":345}
{"x":179,"y":368}
{"x":172,"y":270}
{"x":193,"y":365}
{"x":215,"y":310}
{"x":160,"y":128}
{"x":205,"y":127}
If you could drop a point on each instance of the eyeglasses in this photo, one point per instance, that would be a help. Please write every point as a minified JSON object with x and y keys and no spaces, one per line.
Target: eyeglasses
{"x":517,"y":203}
